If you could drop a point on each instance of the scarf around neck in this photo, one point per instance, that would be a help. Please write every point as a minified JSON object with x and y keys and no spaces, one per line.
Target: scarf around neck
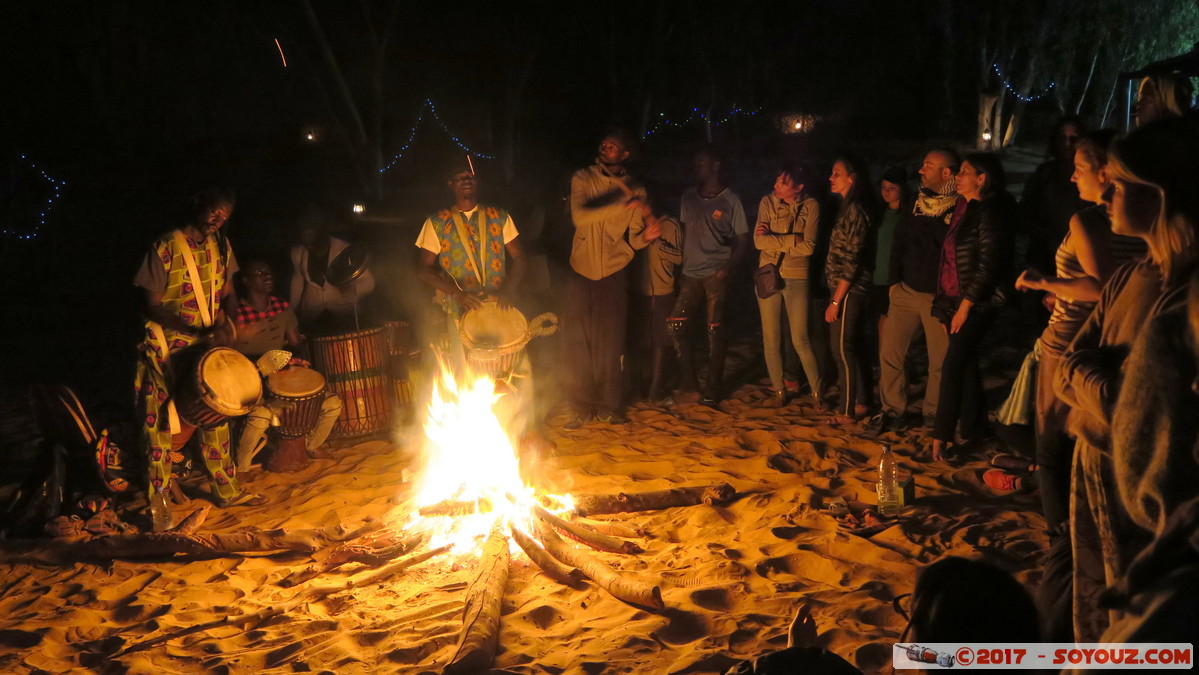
{"x":938,"y":204}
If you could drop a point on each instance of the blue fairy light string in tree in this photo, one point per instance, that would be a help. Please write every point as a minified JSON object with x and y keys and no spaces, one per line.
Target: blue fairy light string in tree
{"x":696,"y":115}
{"x":420,"y":117}
{"x":45,"y":208}
{"x":1012,"y":90}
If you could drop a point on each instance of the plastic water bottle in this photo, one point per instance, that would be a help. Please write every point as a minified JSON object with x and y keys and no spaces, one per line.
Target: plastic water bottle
{"x":888,"y":483}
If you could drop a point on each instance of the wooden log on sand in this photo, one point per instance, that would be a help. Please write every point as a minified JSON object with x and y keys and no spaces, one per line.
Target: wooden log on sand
{"x":349,"y":552}
{"x":634,"y":592}
{"x":481,"y":619}
{"x":614,"y":528}
{"x":569,"y":576}
{"x":586,"y":535}
{"x":181,"y":541}
{"x":626,"y":502}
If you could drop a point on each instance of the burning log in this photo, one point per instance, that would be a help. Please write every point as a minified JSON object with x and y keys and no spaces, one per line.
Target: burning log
{"x":347,"y":553}
{"x":569,"y":576}
{"x":626,"y":530}
{"x":626,"y":502}
{"x":456,"y":508}
{"x":634,"y":592}
{"x":481,"y":619}
{"x":586,"y":535}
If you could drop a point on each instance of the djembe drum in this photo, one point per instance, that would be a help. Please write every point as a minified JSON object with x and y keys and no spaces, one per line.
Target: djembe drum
{"x":494,"y":337}
{"x":355,"y":367}
{"x":298,"y":393}
{"x":215,"y":385}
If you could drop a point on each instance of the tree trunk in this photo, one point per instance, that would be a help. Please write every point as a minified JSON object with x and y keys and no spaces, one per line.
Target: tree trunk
{"x":987,"y":124}
{"x":1086,"y":86}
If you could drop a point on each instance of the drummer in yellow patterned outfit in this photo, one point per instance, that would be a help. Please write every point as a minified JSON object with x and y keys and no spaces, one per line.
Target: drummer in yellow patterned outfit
{"x":455,"y":262}
{"x":186,"y":278}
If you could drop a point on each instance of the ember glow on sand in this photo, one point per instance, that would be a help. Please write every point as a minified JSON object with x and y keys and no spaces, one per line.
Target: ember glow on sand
{"x":469,"y":457}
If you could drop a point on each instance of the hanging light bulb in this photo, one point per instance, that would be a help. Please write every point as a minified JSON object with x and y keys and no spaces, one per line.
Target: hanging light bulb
{"x":359,"y":208}
{"x":987,"y":136}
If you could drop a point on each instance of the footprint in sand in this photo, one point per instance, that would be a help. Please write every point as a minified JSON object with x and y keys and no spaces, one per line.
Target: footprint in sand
{"x":716,"y":599}
{"x":683,"y":627}
{"x":543,"y":617}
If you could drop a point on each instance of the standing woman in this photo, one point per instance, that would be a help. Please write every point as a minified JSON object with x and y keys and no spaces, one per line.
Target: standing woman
{"x":1085,"y":261}
{"x":786,"y":233}
{"x":847,"y":273}
{"x":897,"y":200}
{"x":1152,"y":197}
{"x":967,"y":279}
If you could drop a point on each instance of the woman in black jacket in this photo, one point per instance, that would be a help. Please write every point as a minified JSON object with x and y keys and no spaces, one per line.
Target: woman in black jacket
{"x":971,"y":271}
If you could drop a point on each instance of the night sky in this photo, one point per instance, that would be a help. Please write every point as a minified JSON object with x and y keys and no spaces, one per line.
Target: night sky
{"x":136,"y":104}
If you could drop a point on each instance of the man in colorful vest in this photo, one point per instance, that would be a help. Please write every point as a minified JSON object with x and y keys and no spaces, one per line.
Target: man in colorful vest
{"x":463,"y":250}
{"x":186,"y":276}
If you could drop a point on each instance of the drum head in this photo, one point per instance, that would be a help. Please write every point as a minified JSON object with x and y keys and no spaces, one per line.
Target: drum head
{"x":348,"y":265}
{"x":295,"y":382}
{"x":230,"y":382}
{"x":490,"y":327}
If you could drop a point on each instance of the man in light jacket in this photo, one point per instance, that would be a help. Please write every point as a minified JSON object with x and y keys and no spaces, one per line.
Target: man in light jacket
{"x":608,"y":209}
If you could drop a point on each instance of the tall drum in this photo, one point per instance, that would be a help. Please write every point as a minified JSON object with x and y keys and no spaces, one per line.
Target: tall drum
{"x":355,"y":366}
{"x":399,"y":341}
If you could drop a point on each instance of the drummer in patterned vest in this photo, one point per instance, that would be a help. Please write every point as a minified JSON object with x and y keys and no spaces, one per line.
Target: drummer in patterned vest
{"x":185,"y":276}
{"x":266,"y":322}
{"x":455,"y":261}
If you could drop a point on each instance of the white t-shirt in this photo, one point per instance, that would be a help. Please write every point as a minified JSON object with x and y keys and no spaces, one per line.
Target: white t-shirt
{"x":428,"y":240}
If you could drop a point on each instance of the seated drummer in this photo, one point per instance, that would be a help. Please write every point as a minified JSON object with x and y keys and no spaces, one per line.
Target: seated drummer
{"x":265,"y":322}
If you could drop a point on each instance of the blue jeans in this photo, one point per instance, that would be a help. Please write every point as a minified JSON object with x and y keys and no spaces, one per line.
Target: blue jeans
{"x":795,"y":295}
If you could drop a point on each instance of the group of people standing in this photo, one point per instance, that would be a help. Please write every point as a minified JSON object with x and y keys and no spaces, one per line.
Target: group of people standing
{"x":1115,"y":460}
{"x":890,"y":265}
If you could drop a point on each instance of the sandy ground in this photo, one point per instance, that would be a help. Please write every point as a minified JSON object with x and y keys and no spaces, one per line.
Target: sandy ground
{"x":731,"y":576}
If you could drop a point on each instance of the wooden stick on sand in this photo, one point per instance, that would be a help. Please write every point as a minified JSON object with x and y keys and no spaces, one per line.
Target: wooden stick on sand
{"x":634,"y":592}
{"x":626,"y":502}
{"x":569,"y":576}
{"x":586,"y":535}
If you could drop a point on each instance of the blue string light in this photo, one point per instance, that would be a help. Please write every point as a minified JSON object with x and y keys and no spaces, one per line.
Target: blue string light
{"x":420,"y":117}
{"x":695,"y":116}
{"x":42,"y":215}
{"x":1012,"y":90}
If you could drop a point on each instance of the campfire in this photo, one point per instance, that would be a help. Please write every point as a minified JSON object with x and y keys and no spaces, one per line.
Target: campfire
{"x":472,"y":503}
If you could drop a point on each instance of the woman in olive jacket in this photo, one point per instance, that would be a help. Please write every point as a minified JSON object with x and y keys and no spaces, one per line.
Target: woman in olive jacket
{"x":974,"y":258}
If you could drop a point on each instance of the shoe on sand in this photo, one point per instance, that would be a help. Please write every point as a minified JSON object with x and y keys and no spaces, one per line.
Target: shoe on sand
{"x":1002,"y":481}
{"x":1014,"y":463}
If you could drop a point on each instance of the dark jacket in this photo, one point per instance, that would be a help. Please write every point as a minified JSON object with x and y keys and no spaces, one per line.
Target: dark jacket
{"x":982,"y":249}
{"x":916,"y":251}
